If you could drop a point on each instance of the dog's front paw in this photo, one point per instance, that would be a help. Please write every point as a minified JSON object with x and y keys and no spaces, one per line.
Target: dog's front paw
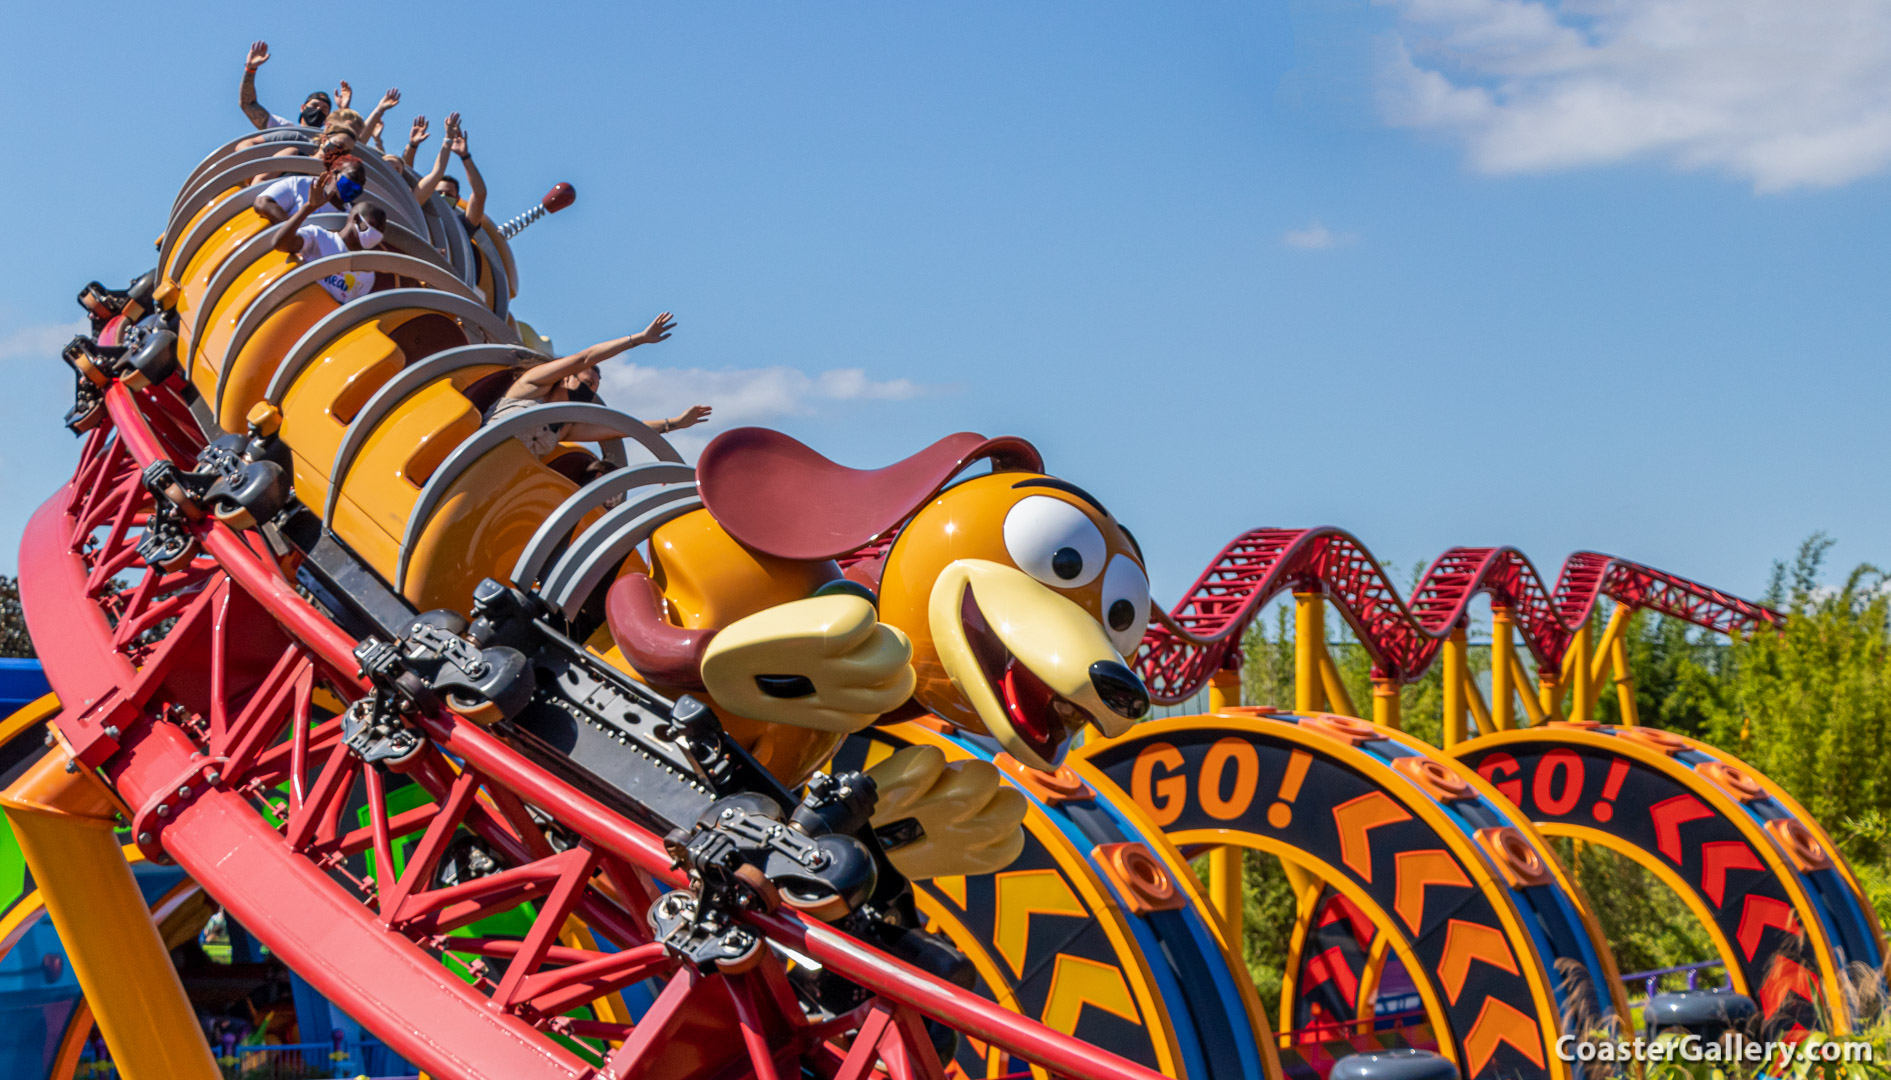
{"x":826,"y":662}
{"x":970,"y":819}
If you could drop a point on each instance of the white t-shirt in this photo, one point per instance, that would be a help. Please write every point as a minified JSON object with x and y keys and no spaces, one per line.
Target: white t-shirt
{"x":277,"y":121}
{"x":347,"y":285}
{"x":291,"y":192}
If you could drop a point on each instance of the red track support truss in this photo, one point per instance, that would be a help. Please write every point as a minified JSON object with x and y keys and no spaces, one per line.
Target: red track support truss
{"x":199,"y":696}
{"x":1185,"y":647}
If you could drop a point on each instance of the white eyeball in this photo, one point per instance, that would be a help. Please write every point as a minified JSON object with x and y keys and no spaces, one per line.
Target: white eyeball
{"x":1125,"y":604}
{"x":1054,"y":542}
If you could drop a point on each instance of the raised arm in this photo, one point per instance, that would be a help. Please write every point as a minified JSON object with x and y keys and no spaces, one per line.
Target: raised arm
{"x":416,"y":135}
{"x":537,"y":380}
{"x":287,"y":241}
{"x":270,"y":209}
{"x":388,"y":101}
{"x":246,"y":97}
{"x":424,"y":189}
{"x":689,"y":417}
{"x":475,"y":184}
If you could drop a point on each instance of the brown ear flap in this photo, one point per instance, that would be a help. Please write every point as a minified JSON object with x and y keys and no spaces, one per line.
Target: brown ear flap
{"x":778,"y":496}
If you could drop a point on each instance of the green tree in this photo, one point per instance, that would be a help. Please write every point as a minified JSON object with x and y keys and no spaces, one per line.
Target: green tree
{"x":1811,"y":706}
{"x":13,"y":637}
{"x":1808,"y":706}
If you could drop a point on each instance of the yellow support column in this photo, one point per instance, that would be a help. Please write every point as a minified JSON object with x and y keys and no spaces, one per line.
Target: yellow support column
{"x":1455,"y":668}
{"x":1549,"y":696}
{"x":1624,"y":681}
{"x":1225,"y":891}
{"x":1225,"y":886}
{"x":1224,"y":689}
{"x":1520,"y":678}
{"x":1605,"y":645}
{"x":1474,"y":699}
{"x":1503,"y":711}
{"x":1582,"y":692}
{"x":64,"y":825}
{"x":1337,"y":699}
{"x":1305,"y":886}
{"x":1306,"y":892}
{"x":1385,"y":702}
{"x":1309,"y":641}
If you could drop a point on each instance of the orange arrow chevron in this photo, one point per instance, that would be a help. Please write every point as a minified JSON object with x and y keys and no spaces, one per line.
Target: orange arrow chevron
{"x":1076,"y":982}
{"x":1468,"y":941}
{"x":1417,"y":869}
{"x":1760,"y":913}
{"x":1354,"y":818}
{"x":1020,"y":894}
{"x":1500,"y":1023}
{"x":1670,"y":815}
{"x":1787,"y":977}
{"x":1719,"y":857}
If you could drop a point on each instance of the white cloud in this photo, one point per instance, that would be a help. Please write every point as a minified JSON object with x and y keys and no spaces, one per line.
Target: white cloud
{"x":39,"y":342}
{"x":1315,"y":237}
{"x":1781,"y":93}
{"x":744,"y":395}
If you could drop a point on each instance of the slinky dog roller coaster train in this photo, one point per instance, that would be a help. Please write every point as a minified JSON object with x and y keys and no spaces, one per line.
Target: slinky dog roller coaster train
{"x":606,"y":765}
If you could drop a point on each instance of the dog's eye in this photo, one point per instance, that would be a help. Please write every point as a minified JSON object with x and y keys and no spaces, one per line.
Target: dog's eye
{"x":1125,"y":604}
{"x":1054,"y":542}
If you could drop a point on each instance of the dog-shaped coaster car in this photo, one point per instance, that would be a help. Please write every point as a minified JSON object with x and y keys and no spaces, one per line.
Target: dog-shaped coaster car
{"x":1006,"y":604}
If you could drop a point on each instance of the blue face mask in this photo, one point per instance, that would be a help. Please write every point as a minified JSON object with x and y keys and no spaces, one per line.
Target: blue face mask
{"x":347,"y":190}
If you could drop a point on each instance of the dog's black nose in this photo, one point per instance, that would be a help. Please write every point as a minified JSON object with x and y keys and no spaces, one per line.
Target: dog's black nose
{"x":1120,"y":689}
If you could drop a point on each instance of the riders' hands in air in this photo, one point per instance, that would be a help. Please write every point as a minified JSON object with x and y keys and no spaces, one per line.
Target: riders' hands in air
{"x":658,"y":330}
{"x":391,"y":98}
{"x":690,"y":417}
{"x":259,"y":54}
{"x":417,"y":134}
{"x":343,"y":94}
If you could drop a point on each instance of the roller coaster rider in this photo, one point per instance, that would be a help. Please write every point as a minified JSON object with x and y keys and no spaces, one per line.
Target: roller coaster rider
{"x":280,"y":200}
{"x":454,"y":142}
{"x":575,"y":378}
{"x":361,"y":232}
{"x":315,"y":108}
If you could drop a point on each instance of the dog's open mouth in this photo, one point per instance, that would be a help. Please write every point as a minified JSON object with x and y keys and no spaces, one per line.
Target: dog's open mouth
{"x":1042,"y":718}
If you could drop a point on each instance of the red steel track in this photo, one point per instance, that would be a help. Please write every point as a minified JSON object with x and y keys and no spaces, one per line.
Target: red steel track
{"x":194,"y":693}
{"x":1186,"y":646}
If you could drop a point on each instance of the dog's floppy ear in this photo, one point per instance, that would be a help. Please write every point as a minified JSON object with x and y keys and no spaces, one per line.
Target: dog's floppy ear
{"x":781,"y":498}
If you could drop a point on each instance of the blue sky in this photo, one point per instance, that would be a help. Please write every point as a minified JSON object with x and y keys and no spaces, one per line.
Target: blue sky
{"x":1556,"y":275}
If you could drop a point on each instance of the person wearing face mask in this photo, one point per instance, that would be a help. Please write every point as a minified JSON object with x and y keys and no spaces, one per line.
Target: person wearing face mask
{"x":340,"y":131}
{"x":306,"y":242}
{"x":339,"y":134}
{"x":575,"y":378}
{"x":315,"y":108}
{"x":336,"y":141}
{"x":283,"y":198}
